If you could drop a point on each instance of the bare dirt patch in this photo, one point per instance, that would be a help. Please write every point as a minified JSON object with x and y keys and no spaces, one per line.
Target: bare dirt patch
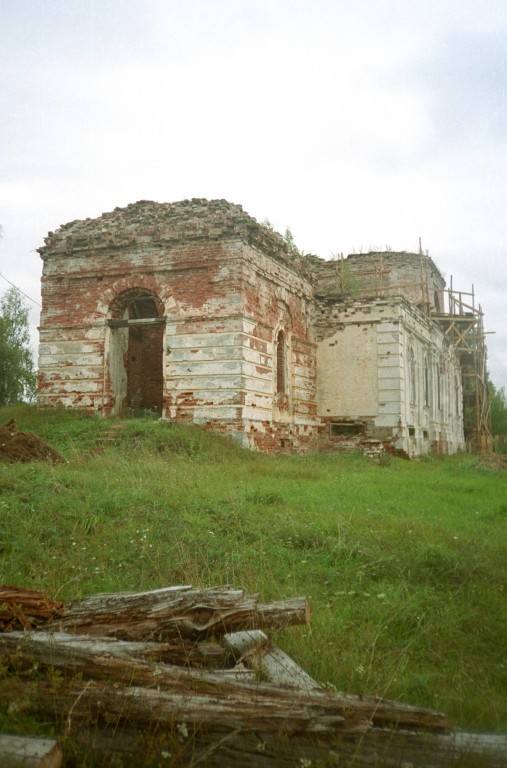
{"x":23,"y":447}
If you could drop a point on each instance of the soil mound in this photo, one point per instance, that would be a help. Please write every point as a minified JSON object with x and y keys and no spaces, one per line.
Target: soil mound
{"x":23,"y":446}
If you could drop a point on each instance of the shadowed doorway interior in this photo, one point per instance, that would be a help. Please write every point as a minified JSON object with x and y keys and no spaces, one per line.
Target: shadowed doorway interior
{"x":136,"y":355}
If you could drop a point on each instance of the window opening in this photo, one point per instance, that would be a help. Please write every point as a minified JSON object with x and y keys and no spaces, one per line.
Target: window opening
{"x":411,"y":376}
{"x":337,"y":429}
{"x":426,"y":380}
{"x":439,"y":386}
{"x":281,"y":364}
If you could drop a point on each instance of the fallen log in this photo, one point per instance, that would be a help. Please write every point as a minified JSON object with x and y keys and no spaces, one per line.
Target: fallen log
{"x":194,"y":729}
{"x":177,"y":652}
{"x":207,"y":696}
{"x":113,"y":694}
{"x":377,"y":748}
{"x":109,"y":659}
{"x":203,"y":705}
{"x":175,"y":612}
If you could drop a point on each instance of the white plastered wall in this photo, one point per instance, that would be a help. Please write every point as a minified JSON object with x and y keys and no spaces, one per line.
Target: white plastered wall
{"x":347,"y":384}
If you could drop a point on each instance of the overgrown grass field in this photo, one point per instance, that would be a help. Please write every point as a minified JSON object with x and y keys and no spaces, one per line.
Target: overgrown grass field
{"x":404,"y":564}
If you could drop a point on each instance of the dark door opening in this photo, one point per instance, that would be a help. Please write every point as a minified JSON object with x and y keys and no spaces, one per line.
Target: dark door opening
{"x":136,"y":356}
{"x":143,"y":362}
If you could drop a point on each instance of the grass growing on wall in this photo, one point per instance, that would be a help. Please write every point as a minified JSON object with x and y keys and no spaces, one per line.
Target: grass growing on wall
{"x":404,"y":565}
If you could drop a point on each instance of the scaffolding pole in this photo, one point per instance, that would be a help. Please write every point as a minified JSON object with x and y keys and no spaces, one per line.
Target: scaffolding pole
{"x":463,"y":325}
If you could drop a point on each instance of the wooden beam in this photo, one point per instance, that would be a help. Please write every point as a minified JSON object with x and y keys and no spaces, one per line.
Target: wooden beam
{"x":135,"y":321}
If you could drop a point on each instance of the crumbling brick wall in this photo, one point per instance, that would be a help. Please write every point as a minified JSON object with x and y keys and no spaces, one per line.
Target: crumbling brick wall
{"x":218,"y":287}
{"x":372,"y":275}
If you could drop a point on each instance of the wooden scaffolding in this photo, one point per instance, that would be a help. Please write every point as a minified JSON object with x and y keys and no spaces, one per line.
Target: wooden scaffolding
{"x":462,"y":323}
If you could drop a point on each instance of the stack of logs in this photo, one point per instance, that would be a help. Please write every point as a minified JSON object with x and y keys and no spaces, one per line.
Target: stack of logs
{"x":186,"y":677}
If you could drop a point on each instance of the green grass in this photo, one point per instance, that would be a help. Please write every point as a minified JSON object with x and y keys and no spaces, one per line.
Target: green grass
{"x":404,"y":565}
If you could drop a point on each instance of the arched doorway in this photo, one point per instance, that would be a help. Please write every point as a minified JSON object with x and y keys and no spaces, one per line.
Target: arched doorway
{"x":135,"y":352}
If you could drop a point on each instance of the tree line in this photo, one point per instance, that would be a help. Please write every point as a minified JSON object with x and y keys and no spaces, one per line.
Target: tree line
{"x":17,"y":371}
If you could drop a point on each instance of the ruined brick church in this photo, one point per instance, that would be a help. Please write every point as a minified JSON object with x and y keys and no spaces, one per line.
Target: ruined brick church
{"x":199,"y":313}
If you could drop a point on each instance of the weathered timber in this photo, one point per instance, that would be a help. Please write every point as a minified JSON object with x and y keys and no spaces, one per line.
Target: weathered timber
{"x":257,"y":731}
{"x":211,"y":697}
{"x":239,"y":707}
{"x":178,"y":612}
{"x":115,"y":699}
{"x":256,"y":651}
{"x":24,"y":752}
{"x":25,"y":608}
{"x":178,"y":651}
{"x":376,"y":749}
{"x":145,"y":321}
{"x":109,"y":659}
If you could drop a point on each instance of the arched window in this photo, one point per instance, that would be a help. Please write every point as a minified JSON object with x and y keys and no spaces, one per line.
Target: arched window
{"x":281,"y":364}
{"x":411,"y":376}
{"x":438,"y":369}
{"x":426,"y":381}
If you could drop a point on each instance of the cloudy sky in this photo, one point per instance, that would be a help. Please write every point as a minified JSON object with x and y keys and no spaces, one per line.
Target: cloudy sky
{"x":360,"y":124}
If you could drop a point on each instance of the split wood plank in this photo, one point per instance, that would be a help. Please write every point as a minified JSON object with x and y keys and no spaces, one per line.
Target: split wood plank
{"x":178,"y":651}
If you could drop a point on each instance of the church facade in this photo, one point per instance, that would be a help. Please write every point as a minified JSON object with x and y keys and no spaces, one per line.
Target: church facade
{"x":199,"y":313}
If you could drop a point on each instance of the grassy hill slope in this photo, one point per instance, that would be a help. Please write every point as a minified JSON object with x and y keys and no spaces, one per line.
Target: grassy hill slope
{"x":404,"y":564}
